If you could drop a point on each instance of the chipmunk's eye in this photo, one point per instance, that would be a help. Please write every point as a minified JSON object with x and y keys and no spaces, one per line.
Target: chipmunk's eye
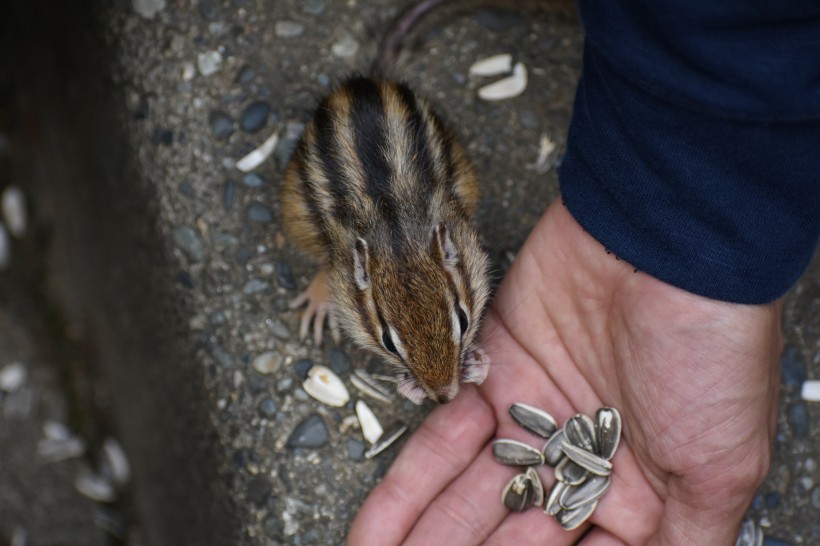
{"x":387,"y":341}
{"x":462,"y":320}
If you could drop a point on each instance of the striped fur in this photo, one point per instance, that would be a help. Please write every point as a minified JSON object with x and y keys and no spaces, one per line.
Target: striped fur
{"x":377,"y":164}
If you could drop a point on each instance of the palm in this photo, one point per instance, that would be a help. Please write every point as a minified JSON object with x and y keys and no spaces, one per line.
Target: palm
{"x":573,"y":329}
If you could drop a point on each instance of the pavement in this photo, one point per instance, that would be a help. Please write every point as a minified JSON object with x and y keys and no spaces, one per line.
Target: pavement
{"x":167,"y":268}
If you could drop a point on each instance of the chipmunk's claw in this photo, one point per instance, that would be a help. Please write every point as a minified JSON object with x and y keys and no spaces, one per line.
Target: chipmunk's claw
{"x":319,"y":308}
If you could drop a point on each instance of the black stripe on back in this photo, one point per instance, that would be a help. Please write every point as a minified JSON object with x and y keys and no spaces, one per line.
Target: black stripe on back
{"x":326,"y":146}
{"x":418,"y":134}
{"x":309,"y":192}
{"x":367,"y":117}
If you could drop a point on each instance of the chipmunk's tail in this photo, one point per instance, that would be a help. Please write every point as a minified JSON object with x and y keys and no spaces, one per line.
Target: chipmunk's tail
{"x":393,"y":39}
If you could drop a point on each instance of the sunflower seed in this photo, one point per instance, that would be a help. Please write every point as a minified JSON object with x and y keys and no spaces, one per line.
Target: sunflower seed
{"x":580,"y":432}
{"x":570,"y":472}
{"x":513,"y":452}
{"x":384,"y":444}
{"x":553,"y":505}
{"x":552,"y":449}
{"x":533,"y":419}
{"x":517,"y":495}
{"x":592,"y":489}
{"x":571,"y":519}
{"x":607,"y":431}
{"x":589,"y":461}
{"x":537,"y":487}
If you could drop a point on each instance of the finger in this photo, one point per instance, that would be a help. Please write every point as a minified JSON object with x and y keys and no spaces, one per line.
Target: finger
{"x":600,"y":537}
{"x":469,"y":509}
{"x":444,"y":445}
{"x":534,"y":527}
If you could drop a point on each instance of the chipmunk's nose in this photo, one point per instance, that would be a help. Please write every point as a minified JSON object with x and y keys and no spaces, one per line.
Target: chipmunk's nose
{"x":446,"y":393}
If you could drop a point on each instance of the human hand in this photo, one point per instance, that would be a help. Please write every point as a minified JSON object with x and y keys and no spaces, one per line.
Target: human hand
{"x":573,"y":329}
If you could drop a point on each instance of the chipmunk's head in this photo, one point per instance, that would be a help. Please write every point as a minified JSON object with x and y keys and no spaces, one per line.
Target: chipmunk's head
{"x":420,"y":307}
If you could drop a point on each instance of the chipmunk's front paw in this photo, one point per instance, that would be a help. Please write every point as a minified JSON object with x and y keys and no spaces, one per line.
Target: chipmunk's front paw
{"x":475,"y":367}
{"x":320,"y":306}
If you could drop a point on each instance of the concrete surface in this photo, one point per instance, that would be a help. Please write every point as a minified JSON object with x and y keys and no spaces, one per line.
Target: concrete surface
{"x":172,"y":264}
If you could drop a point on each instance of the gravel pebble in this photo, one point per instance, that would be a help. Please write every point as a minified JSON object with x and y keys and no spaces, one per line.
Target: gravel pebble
{"x":339,"y":361}
{"x":310,"y":433}
{"x":792,"y":367}
{"x":221,"y":124}
{"x":345,"y":47}
{"x":772,"y":499}
{"x":257,"y":212}
{"x":285,"y":276}
{"x":267,"y":363}
{"x":815,"y":497}
{"x":228,"y":191}
{"x":313,"y":7}
{"x":188,"y":241}
{"x":258,"y":491}
{"x":279,"y":329}
{"x":245,"y":75}
{"x":267,"y":407}
{"x":288,"y":29}
{"x":148,"y":8}
{"x":254,"y":117}
{"x":253,"y":180}
{"x":798,"y":416}
{"x":771,"y":541}
{"x":207,"y":10}
{"x":253,"y":286}
{"x":209,"y":62}
{"x":302,"y":366}
{"x":222,"y":357}
{"x":12,"y":377}
{"x":355,"y":449}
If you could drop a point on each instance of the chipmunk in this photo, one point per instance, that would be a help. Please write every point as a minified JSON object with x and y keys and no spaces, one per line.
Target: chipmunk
{"x":379,"y":191}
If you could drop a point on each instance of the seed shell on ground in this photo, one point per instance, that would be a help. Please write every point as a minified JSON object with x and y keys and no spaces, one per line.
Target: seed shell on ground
{"x":607,"y":431}
{"x":572,"y":519}
{"x":589,"y":461}
{"x":387,"y":442}
{"x":580,"y":431}
{"x":537,"y":487}
{"x":325,"y":386}
{"x":592,"y":489}
{"x":371,"y":428}
{"x":533,"y":419}
{"x":570,"y":472}
{"x":513,"y":452}
{"x":552,"y":449}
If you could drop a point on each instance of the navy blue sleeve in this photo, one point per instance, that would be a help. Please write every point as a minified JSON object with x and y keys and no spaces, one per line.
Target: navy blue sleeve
{"x":694,"y":147}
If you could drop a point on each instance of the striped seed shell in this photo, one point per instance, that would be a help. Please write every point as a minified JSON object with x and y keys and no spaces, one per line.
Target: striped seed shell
{"x":570,"y":472}
{"x":592,"y":489}
{"x":552,"y":449}
{"x":580,"y":431}
{"x":533,"y":419}
{"x":750,"y":534}
{"x":589,"y":461}
{"x":571,"y":519}
{"x":553,"y":505}
{"x":537,"y":487}
{"x":518,"y":493}
{"x":607,"y":431}
{"x":513,"y":452}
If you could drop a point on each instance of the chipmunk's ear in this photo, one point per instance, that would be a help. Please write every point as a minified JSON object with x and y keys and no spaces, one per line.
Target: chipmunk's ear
{"x":443,"y":246}
{"x":360,"y":261}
